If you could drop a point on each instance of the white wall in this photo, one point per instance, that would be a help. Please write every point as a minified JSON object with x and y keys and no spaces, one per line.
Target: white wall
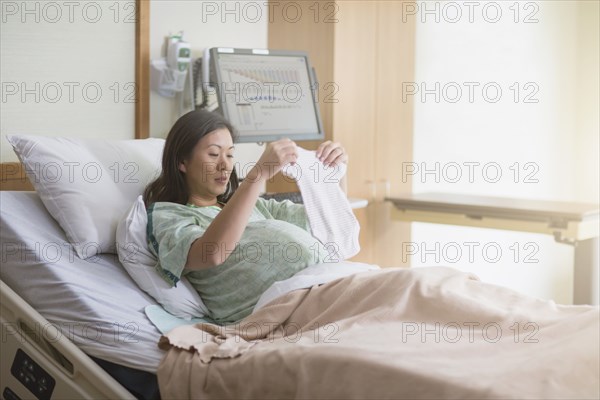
{"x":67,"y":69}
{"x":554,"y":139}
{"x":241,"y":24}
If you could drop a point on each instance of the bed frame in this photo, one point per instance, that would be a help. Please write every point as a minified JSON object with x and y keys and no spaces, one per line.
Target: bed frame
{"x":38,"y":359}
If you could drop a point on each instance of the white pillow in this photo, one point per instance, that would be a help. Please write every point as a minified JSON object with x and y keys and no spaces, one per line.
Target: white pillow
{"x":132,"y":246}
{"x":88,"y":184}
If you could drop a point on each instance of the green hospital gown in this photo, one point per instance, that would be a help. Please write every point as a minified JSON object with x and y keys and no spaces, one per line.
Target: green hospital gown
{"x":274,"y":246}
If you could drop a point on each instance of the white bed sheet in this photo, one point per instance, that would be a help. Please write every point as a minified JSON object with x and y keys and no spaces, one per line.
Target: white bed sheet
{"x":317,"y":274}
{"x":94,"y":302}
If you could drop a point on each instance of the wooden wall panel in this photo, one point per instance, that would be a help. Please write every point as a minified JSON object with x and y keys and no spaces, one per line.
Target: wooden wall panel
{"x":394,"y":126}
{"x":13,"y":177}
{"x":142,"y":70}
{"x":354,"y":112}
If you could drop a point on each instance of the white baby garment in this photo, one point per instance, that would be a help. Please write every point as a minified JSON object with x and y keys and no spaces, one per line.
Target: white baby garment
{"x":329,"y":213}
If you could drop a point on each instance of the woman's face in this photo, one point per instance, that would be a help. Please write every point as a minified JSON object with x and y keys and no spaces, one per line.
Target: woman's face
{"x":208,"y":169}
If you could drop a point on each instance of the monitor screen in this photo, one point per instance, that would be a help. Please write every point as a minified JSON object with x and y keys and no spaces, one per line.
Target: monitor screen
{"x":266,"y":94}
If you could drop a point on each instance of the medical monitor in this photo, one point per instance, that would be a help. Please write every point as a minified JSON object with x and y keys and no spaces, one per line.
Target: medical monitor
{"x":267,"y":94}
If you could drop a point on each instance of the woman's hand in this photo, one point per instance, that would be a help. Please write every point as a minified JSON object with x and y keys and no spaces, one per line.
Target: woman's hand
{"x":332,"y":153}
{"x":276,"y":155}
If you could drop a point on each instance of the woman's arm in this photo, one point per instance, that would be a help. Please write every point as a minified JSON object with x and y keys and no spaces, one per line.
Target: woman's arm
{"x":222,"y":235}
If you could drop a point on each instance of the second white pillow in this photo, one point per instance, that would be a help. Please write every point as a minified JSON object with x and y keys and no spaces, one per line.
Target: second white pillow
{"x":132,"y":246}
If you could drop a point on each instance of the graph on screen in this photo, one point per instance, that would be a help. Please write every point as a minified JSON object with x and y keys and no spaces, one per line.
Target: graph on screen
{"x":267,"y":95}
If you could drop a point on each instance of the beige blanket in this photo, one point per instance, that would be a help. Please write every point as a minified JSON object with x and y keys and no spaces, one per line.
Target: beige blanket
{"x":424,"y":333}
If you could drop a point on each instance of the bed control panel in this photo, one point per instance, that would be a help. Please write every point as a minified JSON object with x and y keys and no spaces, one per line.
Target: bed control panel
{"x":8,"y":394}
{"x":32,"y":376}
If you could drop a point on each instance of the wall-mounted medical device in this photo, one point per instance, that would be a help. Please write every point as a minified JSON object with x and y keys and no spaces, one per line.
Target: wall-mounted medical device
{"x":168,"y":75}
{"x":265,"y":94}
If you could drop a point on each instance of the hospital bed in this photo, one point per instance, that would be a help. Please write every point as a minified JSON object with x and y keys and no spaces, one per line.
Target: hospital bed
{"x":74,"y":328}
{"x":77,"y":328}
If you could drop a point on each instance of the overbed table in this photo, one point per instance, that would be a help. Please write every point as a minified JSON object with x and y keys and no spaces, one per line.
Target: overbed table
{"x":575,"y":224}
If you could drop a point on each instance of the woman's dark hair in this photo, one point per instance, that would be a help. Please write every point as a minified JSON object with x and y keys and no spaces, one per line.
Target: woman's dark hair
{"x":184,"y":135}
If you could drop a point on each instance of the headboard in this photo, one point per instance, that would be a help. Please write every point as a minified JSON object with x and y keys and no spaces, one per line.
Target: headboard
{"x":12,"y":177}
{"x":12,"y":174}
